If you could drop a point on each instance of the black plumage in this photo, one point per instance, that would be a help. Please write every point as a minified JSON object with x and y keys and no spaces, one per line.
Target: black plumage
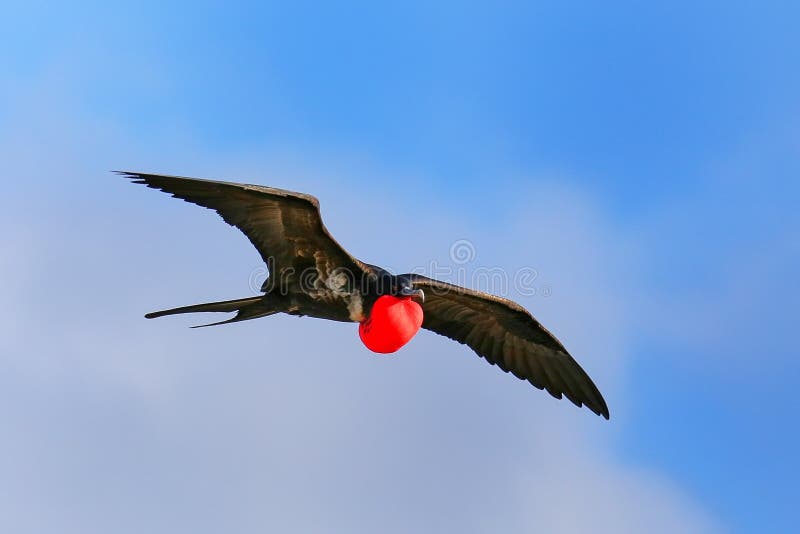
{"x":311,"y":274}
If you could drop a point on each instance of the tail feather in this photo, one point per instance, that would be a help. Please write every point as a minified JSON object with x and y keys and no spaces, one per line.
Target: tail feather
{"x":246,"y":308}
{"x":253,"y":312}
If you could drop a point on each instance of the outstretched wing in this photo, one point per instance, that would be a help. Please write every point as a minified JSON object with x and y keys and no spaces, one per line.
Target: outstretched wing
{"x":506,"y":335}
{"x":285,"y":227}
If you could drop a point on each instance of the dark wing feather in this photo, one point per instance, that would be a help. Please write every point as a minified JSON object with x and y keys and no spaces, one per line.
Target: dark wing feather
{"x":506,"y":335}
{"x":285,"y":227}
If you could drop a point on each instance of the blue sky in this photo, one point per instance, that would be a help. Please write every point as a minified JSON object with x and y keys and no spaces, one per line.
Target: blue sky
{"x":643,"y":158}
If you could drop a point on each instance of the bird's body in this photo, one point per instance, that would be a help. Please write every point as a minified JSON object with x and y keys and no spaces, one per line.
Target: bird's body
{"x":310,"y":274}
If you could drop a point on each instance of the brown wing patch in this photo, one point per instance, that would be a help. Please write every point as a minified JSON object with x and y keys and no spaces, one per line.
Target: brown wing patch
{"x":506,"y":335}
{"x":285,"y":227}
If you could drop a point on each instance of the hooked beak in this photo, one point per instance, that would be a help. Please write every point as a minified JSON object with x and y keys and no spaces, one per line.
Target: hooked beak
{"x":413,"y":293}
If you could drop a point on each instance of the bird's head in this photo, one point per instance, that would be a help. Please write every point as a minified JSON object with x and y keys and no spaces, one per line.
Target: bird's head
{"x":402,"y":287}
{"x":395,"y":316}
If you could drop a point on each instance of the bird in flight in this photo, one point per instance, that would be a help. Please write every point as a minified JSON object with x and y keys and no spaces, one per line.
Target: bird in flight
{"x":310,"y":274}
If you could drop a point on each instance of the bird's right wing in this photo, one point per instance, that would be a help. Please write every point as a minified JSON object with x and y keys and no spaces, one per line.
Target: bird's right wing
{"x":506,"y":335}
{"x":285,"y":227}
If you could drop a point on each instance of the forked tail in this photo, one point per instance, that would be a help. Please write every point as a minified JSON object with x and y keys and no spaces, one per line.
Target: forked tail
{"x":246,"y":308}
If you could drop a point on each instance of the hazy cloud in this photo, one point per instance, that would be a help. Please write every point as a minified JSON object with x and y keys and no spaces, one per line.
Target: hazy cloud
{"x":114,"y":423}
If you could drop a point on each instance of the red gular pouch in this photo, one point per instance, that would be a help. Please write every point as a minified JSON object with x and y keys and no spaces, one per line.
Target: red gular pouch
{"x":391,"y":324}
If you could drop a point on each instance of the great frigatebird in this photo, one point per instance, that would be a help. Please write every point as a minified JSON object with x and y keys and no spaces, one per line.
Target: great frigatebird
{"x":311,"y":274}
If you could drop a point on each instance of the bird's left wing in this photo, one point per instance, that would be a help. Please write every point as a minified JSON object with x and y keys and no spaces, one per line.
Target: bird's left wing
{"x":285,"y":227}
{"x":506,"y":335}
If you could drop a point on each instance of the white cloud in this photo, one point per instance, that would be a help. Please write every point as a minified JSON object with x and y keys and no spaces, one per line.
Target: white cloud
{"x":575,"y":493}
{"x":114,"y":423}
